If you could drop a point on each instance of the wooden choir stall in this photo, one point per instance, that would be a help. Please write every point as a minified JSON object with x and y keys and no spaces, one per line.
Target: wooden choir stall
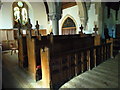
{"x":58,"y":58}
{"x":27,"y":55}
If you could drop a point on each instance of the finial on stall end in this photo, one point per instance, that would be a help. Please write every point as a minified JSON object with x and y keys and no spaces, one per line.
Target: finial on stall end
{"x":81,"y":28}
{"x":96,"y":29}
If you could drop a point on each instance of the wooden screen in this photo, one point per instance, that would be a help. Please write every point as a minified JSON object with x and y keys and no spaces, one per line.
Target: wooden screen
{"x":69,"y":30}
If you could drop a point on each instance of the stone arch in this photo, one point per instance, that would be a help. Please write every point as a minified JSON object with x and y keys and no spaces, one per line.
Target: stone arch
{"x":81,"y":9}
{"x":62,"y":22}
{"x":65,"y":18}
{"x":82,"y":12}
{"x":51,"y":6}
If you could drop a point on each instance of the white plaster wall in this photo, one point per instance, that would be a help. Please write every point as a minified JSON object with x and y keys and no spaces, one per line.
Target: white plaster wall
{"x":92,"y":19}
{"x":111,"y":22}
{"x":118,"y":21}
{"x":39,"y":12}
{"x":73,"y":12}
{"x":36,"y":12}
{"x":6,"y":16}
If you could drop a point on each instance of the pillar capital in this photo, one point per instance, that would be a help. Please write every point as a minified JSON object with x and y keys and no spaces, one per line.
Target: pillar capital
{"x":55,"y":16}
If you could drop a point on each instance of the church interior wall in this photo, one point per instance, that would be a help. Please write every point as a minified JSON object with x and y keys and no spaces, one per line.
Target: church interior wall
{"x":92,"y":19}
{"x":6,"y":16}
{"x":36,"y":12}
{"x":39,"y":14}
{"x":73,"y":13}
{"x":111,"y":22}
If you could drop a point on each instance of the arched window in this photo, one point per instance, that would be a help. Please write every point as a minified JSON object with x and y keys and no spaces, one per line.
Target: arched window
{"x":20,"y":12}
{"x":68,"y":27}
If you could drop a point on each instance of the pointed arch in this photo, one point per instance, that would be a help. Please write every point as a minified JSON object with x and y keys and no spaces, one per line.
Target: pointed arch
{"x":83,"y":14}
{"x":68,"y":28}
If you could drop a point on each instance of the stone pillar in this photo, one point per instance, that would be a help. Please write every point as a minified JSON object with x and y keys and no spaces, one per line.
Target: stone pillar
{"x":100,"y":12}
{"x":55,"y":17}
{"x":55,"y":25}
{"x":0,"y":4}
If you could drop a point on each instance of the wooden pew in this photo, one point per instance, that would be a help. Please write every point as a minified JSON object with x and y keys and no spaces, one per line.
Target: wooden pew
{"x":7,"y":37}
{"x":61,"y":57}
{"x":65,"y":58}
{"x":24,"y":45}
{"x":22,"y":48}
{"x":33,"y":49}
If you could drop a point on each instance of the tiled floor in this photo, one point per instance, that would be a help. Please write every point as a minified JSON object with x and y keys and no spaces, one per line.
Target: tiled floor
{"x":103,"y":76}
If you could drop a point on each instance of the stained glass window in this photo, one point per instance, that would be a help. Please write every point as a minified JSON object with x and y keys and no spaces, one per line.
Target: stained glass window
{"x":68,"y":27}
{"x":68,"y":23}
{"x":20,"y":12}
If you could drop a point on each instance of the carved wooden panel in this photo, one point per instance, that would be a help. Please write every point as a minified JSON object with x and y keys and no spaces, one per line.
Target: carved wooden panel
{"x":56,"y":72}
{"x":23,"y":54}
{"x":71,"y":66}
{"x":92,"y":58}
{"x":78,"y":63}
{"x":65,"y":69}
{"x":104,"y":52}
{"x":98,"y":59}
{"x":84,"y":61}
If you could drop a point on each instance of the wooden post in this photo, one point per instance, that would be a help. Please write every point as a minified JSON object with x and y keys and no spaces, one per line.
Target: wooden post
{"x":20,"y":46}
{"x":45,"y":57}
{"x":29,"y":27}
{"x":96,"y":36}
{"x":37,"y":27}
{"x":31,"y":57}
{"x":81,"y":28}
{"x":19,"y":29}
{"x":31,"y":51}
{"x":38,"y":33}
{"x":97,"y":40}
{"x":88,"y":60}
{"x":81,"y":32}
{"x":111,"y":47}
{"x":51,"y":37}
{"x":95,"y":29}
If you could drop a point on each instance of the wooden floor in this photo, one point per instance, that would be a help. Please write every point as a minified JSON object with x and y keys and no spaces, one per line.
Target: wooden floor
{"x":15,"y":77}
{"x":103,"y":76}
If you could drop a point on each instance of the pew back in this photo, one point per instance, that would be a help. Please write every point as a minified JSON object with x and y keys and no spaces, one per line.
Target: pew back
{"x":71,"y":55}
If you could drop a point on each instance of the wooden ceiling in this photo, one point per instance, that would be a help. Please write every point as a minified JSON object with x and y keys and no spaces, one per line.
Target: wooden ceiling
{"x":113,"y":5}
{"x":68,"y":4}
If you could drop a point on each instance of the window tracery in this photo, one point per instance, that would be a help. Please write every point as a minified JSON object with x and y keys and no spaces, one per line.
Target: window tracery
{"x":20,"y":12}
